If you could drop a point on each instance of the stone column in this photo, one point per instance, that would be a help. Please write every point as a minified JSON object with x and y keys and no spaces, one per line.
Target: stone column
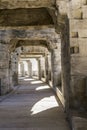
{"x":22,"y":69}
{"x":56,"y":68}
{"x":47,"y":68}
{"x":43,"y":67}
{"x":14,"y":67}
{"x":19,"y":69}
{"x":29,"y":68}
{"x":50,"y":67}
{"x":5,"y":66}
{"x":39,"y":68}
{"x":65,"y":63}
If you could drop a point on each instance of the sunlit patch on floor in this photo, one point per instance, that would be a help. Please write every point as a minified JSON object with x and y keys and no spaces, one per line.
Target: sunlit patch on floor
{"x":28,"y":79}
{"x":42,"y":87}
{"x":44,"y":104}
{"x":36,"y":82}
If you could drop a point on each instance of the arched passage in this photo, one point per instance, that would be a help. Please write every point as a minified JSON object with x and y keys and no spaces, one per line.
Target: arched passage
{"x":43,"y":52}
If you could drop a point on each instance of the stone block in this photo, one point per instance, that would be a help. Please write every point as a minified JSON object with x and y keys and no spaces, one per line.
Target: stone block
{"x":78,"y":91}
{"x":75,"y":25}
{"x":83,"y":46}
{"x":82,"y":33}
{"x":75,"y":14}
{"x":84,"y":10}
{"x":75,"y":4}
{"x":74,"y":42}
{"x":78,"y":65}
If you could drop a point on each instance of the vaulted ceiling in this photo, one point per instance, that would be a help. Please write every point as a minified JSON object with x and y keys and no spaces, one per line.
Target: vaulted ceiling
{"x":25,"y":17}
{"x":17,"y":17}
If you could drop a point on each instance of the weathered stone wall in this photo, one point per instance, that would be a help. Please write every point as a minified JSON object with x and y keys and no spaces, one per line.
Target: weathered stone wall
{"x":77,"y":14}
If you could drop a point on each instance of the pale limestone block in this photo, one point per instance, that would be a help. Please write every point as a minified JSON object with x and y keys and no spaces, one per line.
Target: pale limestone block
{"x":77,"y":13}
{"x":83,"y":47}
{"x":74,"y":8}
{"x":75,"y":25}
{"x":82,"y":33}
{"x":75,"y":4}
{"x":78,"y":65}
{"x":84,"y":10}
{"x":74,"y":42}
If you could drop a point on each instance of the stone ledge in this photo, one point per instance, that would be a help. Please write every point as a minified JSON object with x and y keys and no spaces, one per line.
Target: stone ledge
{"x":79,"y":123}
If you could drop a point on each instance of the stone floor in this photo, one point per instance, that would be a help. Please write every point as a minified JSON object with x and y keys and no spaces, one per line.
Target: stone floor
{"x":33,"y":106}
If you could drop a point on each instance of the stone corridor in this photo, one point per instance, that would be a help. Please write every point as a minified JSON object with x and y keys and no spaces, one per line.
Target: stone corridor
{"x":46,"y":39}
{"x":33,"y":106}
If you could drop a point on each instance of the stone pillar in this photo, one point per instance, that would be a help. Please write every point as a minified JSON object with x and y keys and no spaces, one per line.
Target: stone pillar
{"x":65,"y":63}
{"x":19,"y":69}
{"x":22,"y":69}
{"x":42,"y":67}
{"x":14,"y":64}
{"x":56,"y":67}
{"x":39,"y":68}
{"x":47,"y":68}
{"x":29,"y":68}
{"x":5,"y":75}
